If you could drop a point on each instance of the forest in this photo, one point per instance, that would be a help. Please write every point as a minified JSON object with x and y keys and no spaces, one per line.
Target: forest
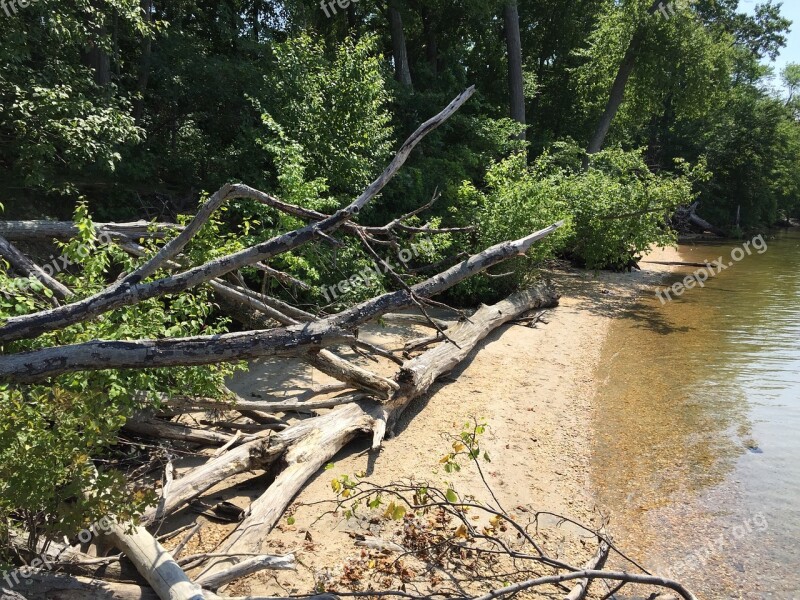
{"x":188,"y":185}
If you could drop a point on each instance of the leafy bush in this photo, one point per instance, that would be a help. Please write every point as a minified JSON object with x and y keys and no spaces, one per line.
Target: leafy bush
{"x":614,"y":211}
{"x":48,"y":431}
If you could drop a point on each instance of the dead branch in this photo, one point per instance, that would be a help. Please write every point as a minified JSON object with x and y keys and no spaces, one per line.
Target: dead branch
{"x":132,"y":289}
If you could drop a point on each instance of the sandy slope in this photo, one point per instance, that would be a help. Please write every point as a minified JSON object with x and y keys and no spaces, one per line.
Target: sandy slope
{"x":532,"y":386}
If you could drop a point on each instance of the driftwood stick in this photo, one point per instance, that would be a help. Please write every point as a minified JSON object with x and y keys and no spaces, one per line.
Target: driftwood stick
{"x":596,"y":562}
{"x":247,"y":567}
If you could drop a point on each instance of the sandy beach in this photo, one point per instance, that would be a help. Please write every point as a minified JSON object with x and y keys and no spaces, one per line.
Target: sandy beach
{"x":532,"y":386}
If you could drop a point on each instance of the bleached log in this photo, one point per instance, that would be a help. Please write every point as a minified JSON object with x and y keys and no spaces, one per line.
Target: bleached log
{"x":414,"y":319}
{"x":256,"y":318}
{"x":153,"y":562}
{"x":247,"y":567}
{"x":264,"y":406}
{"x":152,"y":427}
{"x":327,"y":435}
{"x":23,"y":231}
{"x":252,"y":456}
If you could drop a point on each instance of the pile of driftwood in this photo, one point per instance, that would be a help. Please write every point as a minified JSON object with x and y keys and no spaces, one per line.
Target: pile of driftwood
{"x":365,"y":402}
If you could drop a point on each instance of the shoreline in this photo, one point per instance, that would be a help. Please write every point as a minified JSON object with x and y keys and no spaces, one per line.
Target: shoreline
{"x":533,"y":387}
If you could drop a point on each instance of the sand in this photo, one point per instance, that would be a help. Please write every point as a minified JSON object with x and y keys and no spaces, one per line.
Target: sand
{"x":532,"y":386}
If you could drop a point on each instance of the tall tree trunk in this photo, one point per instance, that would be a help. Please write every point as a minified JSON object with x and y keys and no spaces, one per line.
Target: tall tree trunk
{"x":617,"y":94}
{"x":401,"y":70}
{"x":514,"y":45}
{"x":431,"y":42}
{"x":144,"y":63}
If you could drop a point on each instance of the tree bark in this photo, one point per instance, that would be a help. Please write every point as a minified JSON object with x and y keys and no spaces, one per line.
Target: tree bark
{"x":514,"y":46}
{"x":617,"y":94}
{"x":402,"y":72}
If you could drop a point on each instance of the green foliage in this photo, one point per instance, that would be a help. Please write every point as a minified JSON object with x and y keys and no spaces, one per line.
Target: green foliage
{"x":614,"y":210}
{"x":49,"y":431}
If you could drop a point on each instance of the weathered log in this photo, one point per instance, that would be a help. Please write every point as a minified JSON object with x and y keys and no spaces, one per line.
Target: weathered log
{"x":255,"y":317}
{"x":22,"y":231}
{"x":153,"y":562}
{"x":705,"y":225}
{"x":255,"y":455}
{"x":29,"y":367}
{"x":326,"y":435}
{"x":264,"y":406}
{"x":247,"y":567}
{"x":149,"y":426}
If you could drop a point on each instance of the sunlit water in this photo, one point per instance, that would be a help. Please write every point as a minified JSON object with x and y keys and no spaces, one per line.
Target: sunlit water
{"x":698,"y":428}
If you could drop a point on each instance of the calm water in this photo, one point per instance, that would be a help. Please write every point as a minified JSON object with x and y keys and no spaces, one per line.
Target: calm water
{"x":698,"y":427}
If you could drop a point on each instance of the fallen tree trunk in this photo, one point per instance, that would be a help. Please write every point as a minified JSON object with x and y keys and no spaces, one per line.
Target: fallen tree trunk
{"x":29,"y":367}
{"x":27,"y":231}
{"x":154,"y":563}
{"x":327,"y":435}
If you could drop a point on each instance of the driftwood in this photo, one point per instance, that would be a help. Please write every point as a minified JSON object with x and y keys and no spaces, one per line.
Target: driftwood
{"x":688,"y":217}
{"x":26,"y":231}
{"x":246,"y":567}
{"x":596,"y":562}
{"x":157,"y":428}
{"x":322,"y":437}
{"x":154,"y":563}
